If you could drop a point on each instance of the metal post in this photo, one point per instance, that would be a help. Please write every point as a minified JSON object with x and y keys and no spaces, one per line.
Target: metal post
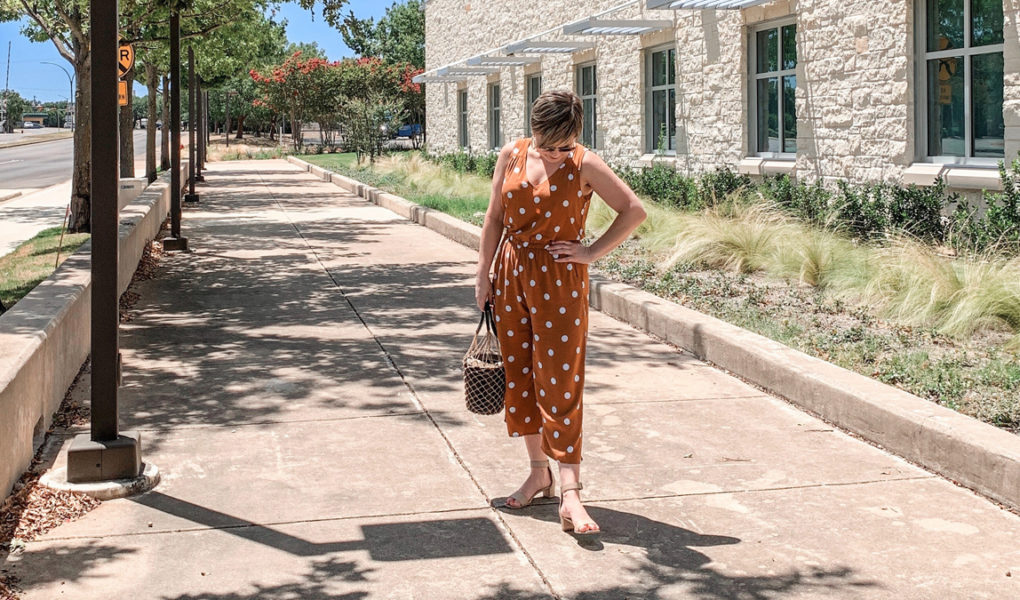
{"x":105,"y":454}
{"x":192,"y":114}
{"x":200,"y":132}
{"x":175,"y":241}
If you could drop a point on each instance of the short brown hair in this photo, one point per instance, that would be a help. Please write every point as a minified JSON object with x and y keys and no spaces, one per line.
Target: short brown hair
{"x":557,"y":116}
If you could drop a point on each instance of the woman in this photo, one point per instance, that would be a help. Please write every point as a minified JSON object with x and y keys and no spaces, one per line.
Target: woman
{"x":541,"y":189}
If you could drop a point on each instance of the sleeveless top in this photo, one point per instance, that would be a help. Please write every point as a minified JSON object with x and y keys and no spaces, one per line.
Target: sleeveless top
{"x":552,"y":210}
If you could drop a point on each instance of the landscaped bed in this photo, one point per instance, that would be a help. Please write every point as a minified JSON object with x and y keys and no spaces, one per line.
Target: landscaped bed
{"x":870,"y":299}
{"x":33,"y":261}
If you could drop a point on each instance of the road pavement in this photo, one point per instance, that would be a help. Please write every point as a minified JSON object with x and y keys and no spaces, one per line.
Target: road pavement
{"x":32,"y":167}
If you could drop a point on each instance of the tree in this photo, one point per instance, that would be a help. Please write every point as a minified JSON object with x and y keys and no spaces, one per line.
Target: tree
{"x":16,"y":108}
{"x":398,"y":37}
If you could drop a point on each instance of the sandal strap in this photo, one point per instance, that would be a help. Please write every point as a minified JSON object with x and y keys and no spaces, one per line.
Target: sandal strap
{"x":570,"y":487}
{"x":539,"y":464}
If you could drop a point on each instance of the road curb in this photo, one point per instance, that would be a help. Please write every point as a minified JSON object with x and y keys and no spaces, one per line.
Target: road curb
{"x":29,"y":142}
{"x":971,"y":453}
{"x":10,"y":196}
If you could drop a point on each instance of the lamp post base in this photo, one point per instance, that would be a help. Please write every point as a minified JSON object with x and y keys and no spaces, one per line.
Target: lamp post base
{"x":175,"y":244}
{"x":90,"y":461}
{"x":191,"y":198}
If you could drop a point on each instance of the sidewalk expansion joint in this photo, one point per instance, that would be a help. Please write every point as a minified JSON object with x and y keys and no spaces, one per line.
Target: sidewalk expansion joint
{"x":684,"y":400}
{"x":267,"y":525}
{"x":414,"y":395}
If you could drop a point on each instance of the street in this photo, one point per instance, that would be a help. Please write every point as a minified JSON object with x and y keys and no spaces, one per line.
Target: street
{"x":28,"y":168}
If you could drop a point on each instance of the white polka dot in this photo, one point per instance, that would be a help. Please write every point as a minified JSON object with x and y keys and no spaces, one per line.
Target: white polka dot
{"x":565,"y":203}
{"x":507,"y":308}
{"x":570,"y":176}
{"x":548,"y":324}
{"x":567,"y":395}
{"x":497,"y":318}
{"x":546,"y":296}
{"x":536,"y":337}
{"x":531,"y":255}
{"x":537,"y":199}
{"x":510,"y":359}
{"x":550,"y":353}
{"x":578,"y":350}
{"x":524,"y":345}
{"x":571,"y":154}
{"x":524,"y":321}
{"x":556,"y":256}
{"x":556,"y":434}
{"x":516,"y":434}
{"x":579,"y":193}
{"x":571,"y":220}
{"x":563,"y":338}
{"x":518,"y":298}
{"x":506,"y":282}
{"x":539,"y":364}
{"x":563,"y":165}
{"x":566,"y":421}
{"x":524,"y":394}
{"x":509,"y":194}
{"x":517,"y":169}
{"x":548,"y":214}
{"x":526,"y":243}
{"x":553,"y":409}
{"x":570,"y":449}
{"x":522,"y":211}
{"x":540,"y":429}
{"x":524,"y":184}
{"x":526,"y":370}
{"x":499,"y":292}
{"x":515,"y":150}
{"x":559,"y":283}
{"x":532,"y":282}
{"x":511,"y":385}
{"x":527,"y":419}
{"x":533,"y":310}
{"x":510,"y":333}
{"x":563,"y":310}
{"x":552,"y":188}
{"x":538,"y":236}
{"x":570,"y":267}
{"x":541,"y":393}
{"x":511,"y":219}
{"x":577,"y":378}
{"x":574,"y":293}
{"x":566,"y":367}
{"x":556,"y":229}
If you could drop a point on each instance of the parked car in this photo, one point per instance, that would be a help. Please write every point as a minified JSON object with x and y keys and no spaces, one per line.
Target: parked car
{"x":407,"y":131}
{"x":31,"y":125}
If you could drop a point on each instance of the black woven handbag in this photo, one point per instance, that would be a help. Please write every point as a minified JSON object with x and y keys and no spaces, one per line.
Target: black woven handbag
{"x":484,"y":375}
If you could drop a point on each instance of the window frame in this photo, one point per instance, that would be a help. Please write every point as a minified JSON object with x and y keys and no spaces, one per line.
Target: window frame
{"x":922,"y":56}
{"x":649,"y":90}
{"x":495,"y":111}
{"x":463,"y":138}
{"x":529,"y":100}
{"x":593,"y":97}
{"x":752,"y":86}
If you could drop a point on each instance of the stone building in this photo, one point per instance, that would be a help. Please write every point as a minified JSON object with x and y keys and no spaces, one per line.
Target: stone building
{"x":863,"y":90}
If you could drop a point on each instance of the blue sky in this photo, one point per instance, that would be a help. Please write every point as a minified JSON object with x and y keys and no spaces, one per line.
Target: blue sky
{"x":30,"y":77}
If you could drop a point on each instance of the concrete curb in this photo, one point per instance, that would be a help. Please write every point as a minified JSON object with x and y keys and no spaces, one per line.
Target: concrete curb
{"x":28,"y":142}
{"x":965,"y":450}
{"x":10,"y":196}
{"x":104,"y":490}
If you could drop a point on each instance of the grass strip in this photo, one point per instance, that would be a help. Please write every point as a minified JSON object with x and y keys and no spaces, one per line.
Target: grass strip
{"x":33,"y":261}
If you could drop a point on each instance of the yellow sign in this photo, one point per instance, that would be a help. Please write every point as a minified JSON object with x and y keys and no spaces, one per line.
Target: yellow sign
{"x":122,"y":93}
{"x":125,"y":58}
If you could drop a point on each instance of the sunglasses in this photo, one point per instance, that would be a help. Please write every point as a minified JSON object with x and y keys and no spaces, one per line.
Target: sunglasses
{"x":557,"y":148}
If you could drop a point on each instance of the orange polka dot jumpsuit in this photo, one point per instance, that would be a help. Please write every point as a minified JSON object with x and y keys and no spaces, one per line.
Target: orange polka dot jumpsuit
{"x":541,"y":306}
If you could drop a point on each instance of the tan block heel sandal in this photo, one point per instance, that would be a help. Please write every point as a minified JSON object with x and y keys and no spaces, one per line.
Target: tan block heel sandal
{"x":547,"y":492}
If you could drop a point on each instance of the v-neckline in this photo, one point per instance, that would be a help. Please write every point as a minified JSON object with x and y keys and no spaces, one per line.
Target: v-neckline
{"x":527,"y":155}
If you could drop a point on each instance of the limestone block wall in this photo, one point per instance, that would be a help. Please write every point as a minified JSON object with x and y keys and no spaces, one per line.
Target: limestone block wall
{"x":855,"y":96}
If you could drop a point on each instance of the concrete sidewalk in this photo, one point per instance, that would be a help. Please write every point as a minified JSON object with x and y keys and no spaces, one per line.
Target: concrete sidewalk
{"x":296,"y":379}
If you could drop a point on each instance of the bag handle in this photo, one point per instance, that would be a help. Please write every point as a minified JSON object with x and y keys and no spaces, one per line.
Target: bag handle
{"x":487,"y":319}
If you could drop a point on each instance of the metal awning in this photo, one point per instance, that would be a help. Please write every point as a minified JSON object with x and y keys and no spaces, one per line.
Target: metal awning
{"x":460,"y":71}
{"x":703,"y":4}
{"x":546,"y":47}
{"x":593,"y":26}
{"x":502,"y":61}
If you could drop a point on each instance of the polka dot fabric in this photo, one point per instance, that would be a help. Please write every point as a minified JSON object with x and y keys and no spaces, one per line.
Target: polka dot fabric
{"x":542,"y":305}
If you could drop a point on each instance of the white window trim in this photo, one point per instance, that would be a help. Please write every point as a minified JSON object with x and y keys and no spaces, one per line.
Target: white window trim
{"x":649,"y":141}
{"x":463,"y":120}
{"x":593,"y":65}
{"x":752,"y":86}
{"x":528,"y":100}
{"x":921,"y":86}
{"x":495,"y":113}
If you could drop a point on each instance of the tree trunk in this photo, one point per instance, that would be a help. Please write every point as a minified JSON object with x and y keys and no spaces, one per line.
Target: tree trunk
{"x":127,"y":126}
{"x":240,"y":127}
{"x":81,"y":179}
{"x":164,"y":161}
{"x":150,"y":127}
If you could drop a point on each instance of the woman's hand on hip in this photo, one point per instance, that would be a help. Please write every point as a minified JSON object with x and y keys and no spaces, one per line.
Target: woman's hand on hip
{"x":483,"y":290}
{"x":570,"y":252}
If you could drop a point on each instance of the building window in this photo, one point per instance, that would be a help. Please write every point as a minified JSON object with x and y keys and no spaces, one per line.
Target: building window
{"x":587,"y":90}
{"x":773,"y":90}
{"x":462,"y":117}
{"x":495,"y":134}
{"x":534,"y":91}
{"x":660,"y":100}
{"x":961,"y":81}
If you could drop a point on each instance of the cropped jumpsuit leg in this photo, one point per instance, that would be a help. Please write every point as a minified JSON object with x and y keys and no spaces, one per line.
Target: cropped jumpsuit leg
{"x":541,"y":306}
